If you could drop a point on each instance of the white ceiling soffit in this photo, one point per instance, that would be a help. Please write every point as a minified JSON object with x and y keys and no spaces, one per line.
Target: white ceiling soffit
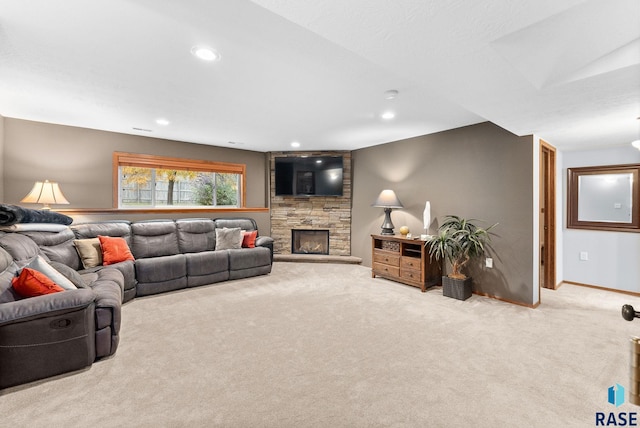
{"x":566,"y":70}
{"x":315,"y":72}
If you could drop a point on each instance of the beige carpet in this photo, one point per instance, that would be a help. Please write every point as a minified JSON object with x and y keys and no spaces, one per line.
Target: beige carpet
{"x":322,"y":345}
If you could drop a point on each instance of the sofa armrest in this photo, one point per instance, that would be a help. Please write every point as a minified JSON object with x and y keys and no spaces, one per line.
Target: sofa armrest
{"x":44,"y":306}
{"x":264,"y":241}
{"x":108,"y":292}
{"x":267,"y":242}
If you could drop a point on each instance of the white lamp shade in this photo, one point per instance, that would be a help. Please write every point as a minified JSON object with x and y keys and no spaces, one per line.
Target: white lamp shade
{"x":46,"y":193}
{"x":388,"y":199}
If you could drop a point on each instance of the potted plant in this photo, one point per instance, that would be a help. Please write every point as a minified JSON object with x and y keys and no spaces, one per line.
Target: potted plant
{"x":458,"y":241}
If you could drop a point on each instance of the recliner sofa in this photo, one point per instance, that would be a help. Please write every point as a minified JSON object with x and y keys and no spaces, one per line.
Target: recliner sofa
{"x":169,"y":255}
{"x":52,"y":334}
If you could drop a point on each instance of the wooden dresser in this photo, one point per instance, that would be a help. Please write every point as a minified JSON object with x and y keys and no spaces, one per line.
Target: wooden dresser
{"x":404,"y":260}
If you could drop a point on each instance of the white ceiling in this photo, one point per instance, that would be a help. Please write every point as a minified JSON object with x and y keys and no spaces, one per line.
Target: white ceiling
{"x":315,"y":71}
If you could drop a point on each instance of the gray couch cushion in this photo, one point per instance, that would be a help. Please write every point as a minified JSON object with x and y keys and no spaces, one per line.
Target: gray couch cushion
{"x":207,"y":262}
{"x":8,"y":270}
{"x":116,"y":228}
{"x":156,"y":269}
{"x":195,"y":235}
{"x":207,"y":267}
{"x":57,"y":246}
{"x":247,"y":258}
{"x":154,"y":238}
{"x":22,"y":249}
{"x":244,"y":223}
{"x":71,"y":274}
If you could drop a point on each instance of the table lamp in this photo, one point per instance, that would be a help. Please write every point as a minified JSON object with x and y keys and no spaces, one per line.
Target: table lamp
{"x":46,"y":193}
{"x":388,"y":200}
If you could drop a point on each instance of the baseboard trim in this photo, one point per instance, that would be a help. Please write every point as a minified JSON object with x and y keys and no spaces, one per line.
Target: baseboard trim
{"x":316,"y":258}
{"x":513,"y":302}
{"x":597,"y":287}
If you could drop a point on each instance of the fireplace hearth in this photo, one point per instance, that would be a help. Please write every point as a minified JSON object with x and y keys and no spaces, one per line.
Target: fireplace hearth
{"x":309,"y":241}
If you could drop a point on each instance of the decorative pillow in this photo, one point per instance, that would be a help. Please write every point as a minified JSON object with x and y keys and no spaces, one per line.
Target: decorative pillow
{"x":31,"y":283}
{"x":228,"y":238}
{"x":41,"y":265}
{"x":89,"y":251}
{"x":249,"y":238}
{"x":114,"y":250}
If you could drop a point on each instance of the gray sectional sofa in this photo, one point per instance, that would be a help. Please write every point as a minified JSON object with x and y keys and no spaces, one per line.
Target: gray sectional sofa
{"x":56,"y":333}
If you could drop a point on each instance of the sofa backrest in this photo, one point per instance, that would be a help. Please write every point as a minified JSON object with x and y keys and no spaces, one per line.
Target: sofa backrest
{"x":154,"y":238}
{"x":21,"y":249}
{"x":57,"y":246}
{"x":244,"y":223}
{"x":8,"y":270}
{"x":196,"y":235}
{"x":115,"y":228}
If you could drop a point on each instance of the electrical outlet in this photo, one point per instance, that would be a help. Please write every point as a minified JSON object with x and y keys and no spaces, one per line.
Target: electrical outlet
{"x":584,"y":256}
{"x":488,"y":262}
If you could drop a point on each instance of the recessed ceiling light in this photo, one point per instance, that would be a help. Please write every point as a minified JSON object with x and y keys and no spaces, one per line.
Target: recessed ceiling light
{"x":388,"y":115}
{"x":205,"y":53}
{"x":295,"y":144}
{"x":162,"y":121}
{"x":390,"y":94}
{"x":318,"y":160}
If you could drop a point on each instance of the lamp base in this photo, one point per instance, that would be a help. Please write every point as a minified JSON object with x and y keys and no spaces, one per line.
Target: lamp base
{"x":387,"y":225}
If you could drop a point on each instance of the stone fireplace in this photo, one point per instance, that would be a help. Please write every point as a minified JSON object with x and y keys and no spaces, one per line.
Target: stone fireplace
{"x":325,"y":213}
{"x":309,"y":241}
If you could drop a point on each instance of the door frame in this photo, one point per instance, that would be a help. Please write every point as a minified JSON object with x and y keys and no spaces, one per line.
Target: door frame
{"x":548,"y":225}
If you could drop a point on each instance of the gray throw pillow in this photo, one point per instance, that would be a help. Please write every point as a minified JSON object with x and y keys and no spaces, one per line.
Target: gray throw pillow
{"x":41,"y":265}
{"x":228,"y":238}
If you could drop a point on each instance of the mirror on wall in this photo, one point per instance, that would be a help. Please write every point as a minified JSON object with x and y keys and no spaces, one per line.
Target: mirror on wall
{"x":604,"y":198}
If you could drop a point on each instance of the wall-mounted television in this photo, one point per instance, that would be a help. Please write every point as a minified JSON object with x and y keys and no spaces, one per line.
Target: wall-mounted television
{"x":308,"y":175}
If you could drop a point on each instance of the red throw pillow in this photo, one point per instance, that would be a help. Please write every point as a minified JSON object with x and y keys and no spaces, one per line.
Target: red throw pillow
{"x":249,"y":238}
{"x":114,"y":250}
{"x":31,"y":283}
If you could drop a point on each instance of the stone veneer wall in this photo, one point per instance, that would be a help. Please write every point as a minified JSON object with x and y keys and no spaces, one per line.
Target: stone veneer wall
{"x":315,"y":212}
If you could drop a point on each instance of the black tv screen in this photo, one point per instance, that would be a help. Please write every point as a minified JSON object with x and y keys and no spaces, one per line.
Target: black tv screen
{"x":308,"y":176}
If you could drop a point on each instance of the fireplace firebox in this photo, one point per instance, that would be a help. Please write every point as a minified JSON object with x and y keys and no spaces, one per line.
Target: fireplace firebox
{"x":309,"y":241}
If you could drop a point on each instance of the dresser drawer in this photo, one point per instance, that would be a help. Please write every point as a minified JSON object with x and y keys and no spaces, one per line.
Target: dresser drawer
{"x":389,"y":259}
{"x":411,"y":274}
{"x":382,"y":268}
{"x":410,"y":263}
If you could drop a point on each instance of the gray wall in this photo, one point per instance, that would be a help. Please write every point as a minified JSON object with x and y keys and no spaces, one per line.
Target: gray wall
{"x":479,"y":171}
{"x":81,"y":161}
{"x":612,"y":256}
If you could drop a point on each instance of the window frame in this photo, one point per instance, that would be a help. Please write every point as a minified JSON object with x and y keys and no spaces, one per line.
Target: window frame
{"x":165,"y":162}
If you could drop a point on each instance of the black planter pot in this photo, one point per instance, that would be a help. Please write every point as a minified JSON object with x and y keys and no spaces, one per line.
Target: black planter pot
{"x":457,"y":288}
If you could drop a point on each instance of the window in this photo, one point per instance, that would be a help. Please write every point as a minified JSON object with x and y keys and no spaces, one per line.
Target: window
{"x":147,"y":181}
